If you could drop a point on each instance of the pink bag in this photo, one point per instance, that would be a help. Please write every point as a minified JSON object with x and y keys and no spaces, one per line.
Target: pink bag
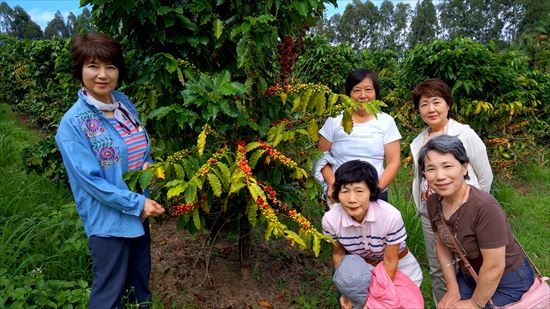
{"x":537,"y":297}
{"x":401,"y":293}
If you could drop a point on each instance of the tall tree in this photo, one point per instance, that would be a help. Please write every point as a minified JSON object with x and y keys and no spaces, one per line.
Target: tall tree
{"x":423,"y":24}
{"x":386,"y":27}
{"x":481,"y":20}
{"x":402,"y":15}
{"x":358,"y":24}
{"x":23,"y":27}
{"x":6,"y":17}
{"x":56,"y":27}
{"x":81,"y":23}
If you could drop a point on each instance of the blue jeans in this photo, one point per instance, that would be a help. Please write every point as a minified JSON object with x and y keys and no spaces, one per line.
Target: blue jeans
{"x":118,"y":265}
{"x":510,"y":289}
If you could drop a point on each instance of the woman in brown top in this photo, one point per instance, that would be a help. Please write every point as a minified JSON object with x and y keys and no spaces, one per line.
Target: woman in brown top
{"x":480,"y":227}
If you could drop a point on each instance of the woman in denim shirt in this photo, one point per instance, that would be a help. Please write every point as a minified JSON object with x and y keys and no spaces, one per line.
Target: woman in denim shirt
{"x":100,"y":139}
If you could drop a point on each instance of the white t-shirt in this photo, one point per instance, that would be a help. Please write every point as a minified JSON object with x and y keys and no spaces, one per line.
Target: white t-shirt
{"x":366,"y":141}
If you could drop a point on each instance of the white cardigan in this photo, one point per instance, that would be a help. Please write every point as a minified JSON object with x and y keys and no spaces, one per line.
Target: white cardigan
{"x":479,"y":168}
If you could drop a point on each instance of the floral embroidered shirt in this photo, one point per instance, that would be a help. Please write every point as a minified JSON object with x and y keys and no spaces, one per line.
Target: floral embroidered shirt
{"x":96,"y":158}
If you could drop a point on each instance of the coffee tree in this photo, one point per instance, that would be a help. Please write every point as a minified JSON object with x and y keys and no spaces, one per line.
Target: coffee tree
{"x":235,"y":131}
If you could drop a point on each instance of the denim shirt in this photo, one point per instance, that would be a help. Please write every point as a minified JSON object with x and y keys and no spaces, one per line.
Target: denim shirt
{"x":96,"y":158}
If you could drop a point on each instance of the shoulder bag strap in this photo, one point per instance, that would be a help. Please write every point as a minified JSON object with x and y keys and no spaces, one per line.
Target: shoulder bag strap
{"x":528,"y":258}
{"x":455,"y":244}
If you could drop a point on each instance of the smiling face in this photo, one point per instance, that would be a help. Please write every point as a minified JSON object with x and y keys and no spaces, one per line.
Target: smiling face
{"x":434,"y":112}
{"x":444,"y":173}
{"x":354,"y":198}
{"x":100,"y":79}
{"x":364,"y":91}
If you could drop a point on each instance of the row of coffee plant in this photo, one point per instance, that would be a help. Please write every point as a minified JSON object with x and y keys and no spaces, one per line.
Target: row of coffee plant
{"x":234,"y":93}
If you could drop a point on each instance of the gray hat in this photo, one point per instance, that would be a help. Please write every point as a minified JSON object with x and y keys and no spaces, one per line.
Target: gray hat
{"x":352,"y":278}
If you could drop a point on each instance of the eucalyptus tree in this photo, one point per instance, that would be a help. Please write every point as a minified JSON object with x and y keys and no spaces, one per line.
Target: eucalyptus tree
{"x":386,"y":27}
{"x":81,"y":23}
{"x":56,"y":27}
{"x":6,"y":17}
{"x":358,"y":25}
{"x":22,"y":27}
{"x":424,"y":23}
{"x":481,"y":20}
{"x":402,"y":15}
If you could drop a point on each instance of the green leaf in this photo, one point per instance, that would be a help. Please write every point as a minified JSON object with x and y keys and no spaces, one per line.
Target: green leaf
{"x":316,"y":245}
{"x":225,"y":172}
{"x":160,"y":112}
{"x":191,"y":193}
{"x":252,"y":213}
{"x":180,"y":172}
{"x":145,"y":178}
{"x":196,"y":219}
{"x":313,"y":130}
{"x":297,"y":104}
{"x":302,"y":6}
{"x":256,"y":191}
{"x":347,"y":122}
{"x":293,"y":237}
{"x":252,"y":145}
{"x":215,"y":184}
{"x":163,"y":10}
{"x":201,"y":140}
{"x":254,"y":157}
{"x":218,"y":28}
{"x":131,"y":177}
{"x":177,"y":190}
{"x":268,"y":231}
{"x":237,"y":181}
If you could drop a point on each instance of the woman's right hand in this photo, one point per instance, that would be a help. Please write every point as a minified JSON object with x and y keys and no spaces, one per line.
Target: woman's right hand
{"x":449,"y":300}
{"x":345,"y":303}
{"x":151,"y":209}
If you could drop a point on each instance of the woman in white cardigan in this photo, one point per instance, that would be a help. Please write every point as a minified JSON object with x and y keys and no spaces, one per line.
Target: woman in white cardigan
{"x":433,"y":99}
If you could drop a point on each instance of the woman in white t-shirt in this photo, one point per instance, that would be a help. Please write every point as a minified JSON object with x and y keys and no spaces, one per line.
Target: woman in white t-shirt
{"x":374,"y":138}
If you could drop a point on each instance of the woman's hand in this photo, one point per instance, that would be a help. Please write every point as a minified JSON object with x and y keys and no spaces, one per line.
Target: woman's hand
{"x":345,"y":303}
{"x":465,"y":304}
{"x":449,"y":300}
{"x":151,"y":209}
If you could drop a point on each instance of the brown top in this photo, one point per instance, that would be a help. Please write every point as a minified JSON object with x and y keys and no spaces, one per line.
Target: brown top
{"x":479,"y":223}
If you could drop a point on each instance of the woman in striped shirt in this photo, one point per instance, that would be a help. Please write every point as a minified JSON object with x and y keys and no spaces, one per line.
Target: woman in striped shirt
{"x":100,"y":139}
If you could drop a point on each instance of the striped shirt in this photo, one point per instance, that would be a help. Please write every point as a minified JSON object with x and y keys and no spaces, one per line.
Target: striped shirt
{"x":136,"y":143}
{"x":382,"y":225}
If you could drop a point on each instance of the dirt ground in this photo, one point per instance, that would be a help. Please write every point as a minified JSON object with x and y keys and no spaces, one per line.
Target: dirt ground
{"x":187,"y":273}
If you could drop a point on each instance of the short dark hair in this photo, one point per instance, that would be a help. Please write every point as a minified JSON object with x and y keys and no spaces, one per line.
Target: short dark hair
{"x":359,"y":75}
{"x":353,"y":172}
{"x":443,"y":144}
{"x":96,"y":46}
{"x":434,"y":87}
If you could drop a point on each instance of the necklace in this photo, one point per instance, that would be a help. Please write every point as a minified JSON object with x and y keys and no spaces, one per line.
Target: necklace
{"x":429,"y":134}
{"x":457,"y":218}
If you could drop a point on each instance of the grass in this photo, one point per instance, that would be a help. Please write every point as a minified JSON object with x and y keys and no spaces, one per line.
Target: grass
{"x":44,"y":258}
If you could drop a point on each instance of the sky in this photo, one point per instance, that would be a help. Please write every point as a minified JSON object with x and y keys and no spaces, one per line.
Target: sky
{"x":42,"y":11}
